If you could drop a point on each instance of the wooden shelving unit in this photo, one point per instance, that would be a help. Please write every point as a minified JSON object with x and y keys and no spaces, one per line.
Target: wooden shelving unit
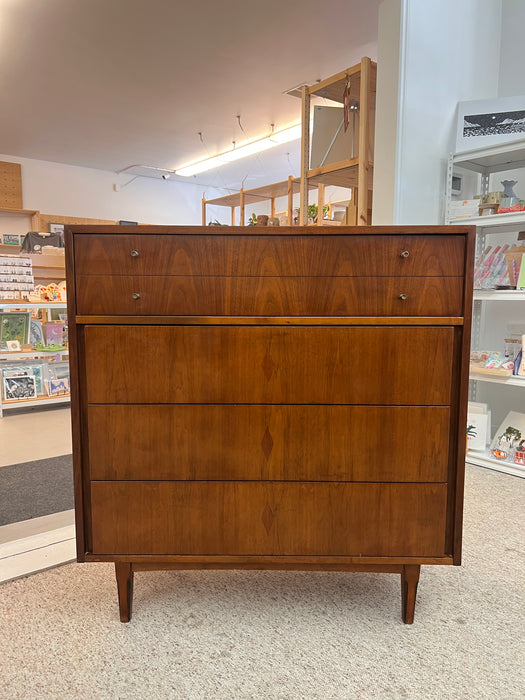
{"x":239,"y":200}
{"x":353,"y":172}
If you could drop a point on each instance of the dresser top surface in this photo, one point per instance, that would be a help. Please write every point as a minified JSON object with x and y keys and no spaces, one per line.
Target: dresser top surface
{"x":275,"y":230}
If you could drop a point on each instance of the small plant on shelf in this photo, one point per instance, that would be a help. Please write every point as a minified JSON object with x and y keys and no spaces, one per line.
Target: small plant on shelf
{"x":313,"y":213}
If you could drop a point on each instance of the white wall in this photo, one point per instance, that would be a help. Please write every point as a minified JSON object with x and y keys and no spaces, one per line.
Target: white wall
{"x":66,"y":190}
{"x":386,"y":126}
{"x":443,"y":52}
{"x":512,"y":75}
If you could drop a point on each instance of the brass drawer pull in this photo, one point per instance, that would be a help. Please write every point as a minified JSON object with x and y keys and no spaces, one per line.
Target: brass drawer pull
{"x":134,"y":253}
{"x":405,"y":254}
{"x":402,"y":297}
{"x":136,"y":295}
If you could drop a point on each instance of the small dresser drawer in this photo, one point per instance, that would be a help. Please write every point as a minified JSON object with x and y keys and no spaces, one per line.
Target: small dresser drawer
{"x":269,"y":296}
{"x":407,"y":365}
{"x":236,"y":518}
{"x":260,"y":255}
{"x":284,"y":443}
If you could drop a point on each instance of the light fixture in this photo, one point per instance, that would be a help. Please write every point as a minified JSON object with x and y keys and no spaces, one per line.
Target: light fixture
{"x":248,"y":149}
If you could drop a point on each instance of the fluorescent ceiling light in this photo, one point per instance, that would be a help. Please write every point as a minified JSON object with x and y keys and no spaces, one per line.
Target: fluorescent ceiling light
{"x":275,"y":139}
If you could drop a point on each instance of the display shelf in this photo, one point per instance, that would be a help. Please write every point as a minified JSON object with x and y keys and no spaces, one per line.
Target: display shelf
{"x":510,"y":380}
{"x":483,"y":460}
{"x":355,"y":173}
{"x":31,"y":403}
{"x":239,"y":200}
{"x":493,"y":159}
{"x":499,"y":295}
{"x":488,"y":320}
{"x":24,"y":305}
{"x":45,"y":359}
{"x":495,"y":223}
{"x":32,"y":213}
{"x":33,"y":355}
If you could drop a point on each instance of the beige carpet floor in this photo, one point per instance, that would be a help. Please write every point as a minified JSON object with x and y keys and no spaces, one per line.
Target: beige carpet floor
{"x":277,"y":635}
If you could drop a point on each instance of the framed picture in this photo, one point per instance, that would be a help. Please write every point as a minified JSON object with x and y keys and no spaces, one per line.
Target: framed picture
{"x":490,"y":122}
{"x":56,"y":228}
{"x":13,"y":345}
{"x":11,"y":238}
{"x":16,"y":388}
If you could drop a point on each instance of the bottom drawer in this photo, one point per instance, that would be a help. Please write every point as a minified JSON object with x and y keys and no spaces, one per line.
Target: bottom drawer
{"x":275,"y":518}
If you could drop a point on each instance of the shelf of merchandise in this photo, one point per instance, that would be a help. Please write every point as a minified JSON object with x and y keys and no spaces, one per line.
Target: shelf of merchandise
{"x":355,"y":173}
{"x":31,"y":356}
{"x":24,"y":305}
{"x":509,"y":380}
{"x":499,"y":295}
{"x":495,"y":223}
{"x":35,"y":355}
{"x":482,"y":459}
{"x":33,"y":403}
{"x":487,"y":162}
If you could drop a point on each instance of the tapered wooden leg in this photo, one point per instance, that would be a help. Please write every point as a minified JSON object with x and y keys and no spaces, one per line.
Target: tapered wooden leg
{"x":124,"y":574}
{"x":409,"y":581}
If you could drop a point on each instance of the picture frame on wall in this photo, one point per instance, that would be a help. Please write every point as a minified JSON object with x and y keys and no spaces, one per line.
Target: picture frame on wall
{"x":56,"y":228}
{"x":483,"y":123}
{"x":11,"y":239}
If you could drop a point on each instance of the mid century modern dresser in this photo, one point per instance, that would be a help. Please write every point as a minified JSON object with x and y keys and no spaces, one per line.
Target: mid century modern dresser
{"x":269,"y":398}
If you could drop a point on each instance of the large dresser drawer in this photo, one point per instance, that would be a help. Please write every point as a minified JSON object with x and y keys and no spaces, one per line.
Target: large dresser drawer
{"x":253,"y":254}
{"x":249,"y":518}
{"x":279,"y":443}
{"x":265,"y":364}
{"x":269,"y":296}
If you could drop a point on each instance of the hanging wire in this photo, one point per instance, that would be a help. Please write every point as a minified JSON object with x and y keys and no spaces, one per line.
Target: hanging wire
{"x":216,"y":178}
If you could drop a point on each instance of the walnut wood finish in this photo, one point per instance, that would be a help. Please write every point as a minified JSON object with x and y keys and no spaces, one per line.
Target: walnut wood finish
{"x":370,"y":365}
{"x":267,"y":296}
{"x":268,"y":400}
{"x":260,"y":255}
{"x":275,"y":518}
{"x":124,"y":576}
{"x":290,"y":443}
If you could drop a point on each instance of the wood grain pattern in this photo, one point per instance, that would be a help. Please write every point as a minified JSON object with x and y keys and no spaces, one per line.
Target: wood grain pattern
{"x":296,"y":443}
{"x":267,"y":296}
{"x":252,"y":254}
{"x":153,"y":320}
{"x":369,"y":365}
{"x":268,"y":518}
{"x":268,"y":400}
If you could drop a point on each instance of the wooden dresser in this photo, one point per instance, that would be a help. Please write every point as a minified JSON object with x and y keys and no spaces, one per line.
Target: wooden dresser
{"x":269,"y":398}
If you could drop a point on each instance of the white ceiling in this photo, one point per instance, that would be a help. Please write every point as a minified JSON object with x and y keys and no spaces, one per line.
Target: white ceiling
{"x":111,"y":83}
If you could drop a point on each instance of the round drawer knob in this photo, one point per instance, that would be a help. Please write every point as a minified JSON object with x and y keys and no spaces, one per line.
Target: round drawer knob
{"x":405,"y":254}
{"x":402,"y":297}
{"x":136,"y":295}
{"x":134,"y":253}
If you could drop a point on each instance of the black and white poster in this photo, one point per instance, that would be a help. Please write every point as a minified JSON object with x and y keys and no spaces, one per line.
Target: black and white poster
{"x":490,"y":122}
